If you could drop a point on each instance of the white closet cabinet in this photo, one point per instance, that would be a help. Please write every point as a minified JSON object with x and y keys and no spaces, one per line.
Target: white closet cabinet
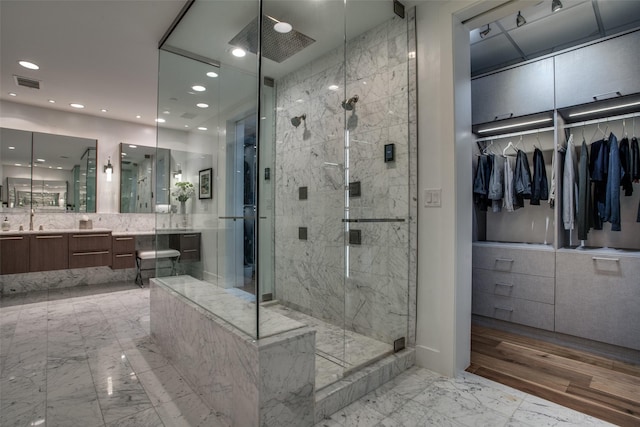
{"x":598,"y":296}
{"x":514,"y":282}
{"x":518,"y":91}
{"x":599,"y":70}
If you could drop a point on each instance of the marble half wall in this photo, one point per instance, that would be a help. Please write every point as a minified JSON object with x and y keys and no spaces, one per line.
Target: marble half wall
{"x":374,"y":297}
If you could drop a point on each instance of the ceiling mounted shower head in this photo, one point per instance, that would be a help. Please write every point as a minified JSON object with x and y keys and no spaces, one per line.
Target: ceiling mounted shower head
{"x":298,"y":119}
{"x":350,"y":103}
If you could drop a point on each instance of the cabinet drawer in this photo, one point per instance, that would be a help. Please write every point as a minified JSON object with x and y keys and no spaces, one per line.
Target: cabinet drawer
{"x":533,"y":288}
{"x":90,"y":259}
{"x":14,"y":254}
{"x":89,"y":242}
{"x":530,"y":313}
{"x":48,"y":252}
{"x":188,"y":244}
{"x":123,"y":260}
{"x":598,"y":297}
{"x":537,"y":262}
{"x":124,"y":244}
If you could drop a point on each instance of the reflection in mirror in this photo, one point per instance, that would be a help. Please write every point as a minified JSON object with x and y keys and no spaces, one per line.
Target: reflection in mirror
{"x":50,"y":173}
{"x":144,"y":181}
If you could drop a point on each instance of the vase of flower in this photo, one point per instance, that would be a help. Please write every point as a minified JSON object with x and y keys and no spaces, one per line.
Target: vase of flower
{"x":183,"y":191}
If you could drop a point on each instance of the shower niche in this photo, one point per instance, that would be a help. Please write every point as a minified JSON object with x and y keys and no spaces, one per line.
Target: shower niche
{"x":295,"y":255}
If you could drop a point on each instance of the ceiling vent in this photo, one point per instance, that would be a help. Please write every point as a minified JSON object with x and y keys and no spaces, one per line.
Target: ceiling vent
{"x":27,"y":82}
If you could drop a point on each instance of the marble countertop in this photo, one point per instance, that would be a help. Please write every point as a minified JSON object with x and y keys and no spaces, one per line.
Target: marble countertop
{"x":99,"y":230}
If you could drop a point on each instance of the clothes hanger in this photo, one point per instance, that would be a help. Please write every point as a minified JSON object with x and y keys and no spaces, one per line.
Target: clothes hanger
{"x":509,"y":145}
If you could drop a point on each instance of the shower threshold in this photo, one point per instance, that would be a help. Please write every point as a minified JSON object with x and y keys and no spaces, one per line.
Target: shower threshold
{"x":339,"y":352}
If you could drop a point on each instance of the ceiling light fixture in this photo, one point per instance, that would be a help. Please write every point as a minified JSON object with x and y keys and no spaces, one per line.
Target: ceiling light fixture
{"x":556,"y":5}
{"x":104,"y":110}
{"x":198,"y":88}
{"x":29,"y":65}
{"x":599,"y":110}
{"x":138,"y":116}
{"x":484,"y":32}
{"x":133,"y":146}
{"x":51,"y":101}
{"x":238,"y":53}
{"x":13,"y":94}
{"x":531,"y":122}
{"x":520,"y":21}
{"x":334,"y":87}
{"x":12,"y":148}
{"x":202,"y":105}
{"x":78,"y":106}
{"x":202,"y":128}
{"x":283,"y":27}
{"x":212,"y":74}
{"x":160,"y":120}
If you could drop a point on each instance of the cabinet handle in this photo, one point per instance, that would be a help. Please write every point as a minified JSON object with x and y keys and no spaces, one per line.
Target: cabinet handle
{"x":504,"y":284}
{"x":503,"y":308}
{"x":599,"y":258}
{"x":90,"y":235}
{"x":49,"y":237}
{"x":90,"y":253}
{"x":504,"y":260}
{"x":603,"y":95}
{"x":189,"y":235}
{"x":190,"y":250}
{"x":124,"y":238}
{"x":12,"y":238}
{"x":124,"y":255}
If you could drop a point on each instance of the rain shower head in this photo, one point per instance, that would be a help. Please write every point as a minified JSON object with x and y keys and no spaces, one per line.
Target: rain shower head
{"x":350,"y":104}
{"x":297,"y":120}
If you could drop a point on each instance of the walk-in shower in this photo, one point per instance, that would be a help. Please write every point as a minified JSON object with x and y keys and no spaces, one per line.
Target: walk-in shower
{"x":333,"y":247}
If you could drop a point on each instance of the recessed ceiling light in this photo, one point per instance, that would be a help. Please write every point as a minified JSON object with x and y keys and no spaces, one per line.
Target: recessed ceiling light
{"x":186,"y":126}
{"x":212,"y":74}
{"x":283,"y":27}
{"x":202,"y":105}
{"x":202,"y":128}
{"x":198,"y":88}
{"x":59,"y":167}
{"x":12,"y":148}
{"x":334,"y":87}
{"x":29,"y":65}
{"x":50,"y":167}
{"x":18,"y":164}
{"x":12,"y":94}
{"x":138,"y":116}
{"x":52,"y":101}
{"x":238,"y":53}
{"x":104,"y":110}
{"x":133,"y":146}
{"x":166,"y":112}
{"x":75,"y":105}
{"x":160,"y":120}
{"x":124,"y":154}
{"x":40,"y":160}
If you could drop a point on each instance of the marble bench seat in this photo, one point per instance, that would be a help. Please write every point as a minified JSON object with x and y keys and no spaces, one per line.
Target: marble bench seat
{"x":209,"y":335}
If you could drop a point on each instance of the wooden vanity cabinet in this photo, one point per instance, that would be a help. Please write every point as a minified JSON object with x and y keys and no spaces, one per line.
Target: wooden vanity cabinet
{"x":89,"y":249}
{"x":124,"y":252}
{"x":188,"y":244}
{"x":48,"y":252}
{"x":14,"y":254}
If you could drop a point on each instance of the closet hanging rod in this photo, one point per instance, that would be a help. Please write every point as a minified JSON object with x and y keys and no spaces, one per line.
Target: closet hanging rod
{"x":602,"y":120}
{"x":511,"y":135}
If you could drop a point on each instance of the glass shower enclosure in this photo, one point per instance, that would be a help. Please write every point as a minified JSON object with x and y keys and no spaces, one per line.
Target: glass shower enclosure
{"x":303,"y":110}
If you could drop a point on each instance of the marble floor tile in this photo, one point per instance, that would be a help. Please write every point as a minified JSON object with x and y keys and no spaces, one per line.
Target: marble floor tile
{"x":188,"y":411}
{"x":164,"y":384}
{"x":539,"y":412}
{"x":146,"y":418}
{"x":73,"y":406}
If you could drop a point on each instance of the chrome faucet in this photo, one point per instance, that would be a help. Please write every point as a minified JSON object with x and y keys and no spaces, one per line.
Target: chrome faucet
{"x":33,"y":212}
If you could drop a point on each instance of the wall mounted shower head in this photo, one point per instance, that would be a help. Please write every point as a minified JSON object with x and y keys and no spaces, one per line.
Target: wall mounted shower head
{"x":350,"y":104}
{"x":297,"y":120}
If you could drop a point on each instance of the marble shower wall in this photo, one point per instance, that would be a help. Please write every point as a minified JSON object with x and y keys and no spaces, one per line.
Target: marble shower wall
{"x":310,"y":274}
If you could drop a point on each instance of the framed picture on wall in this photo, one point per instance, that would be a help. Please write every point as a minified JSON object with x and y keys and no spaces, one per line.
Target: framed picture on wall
{"x":205,"y":187}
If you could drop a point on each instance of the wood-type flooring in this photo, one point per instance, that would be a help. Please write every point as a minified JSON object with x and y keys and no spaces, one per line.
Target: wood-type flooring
{"x":592,"y":384}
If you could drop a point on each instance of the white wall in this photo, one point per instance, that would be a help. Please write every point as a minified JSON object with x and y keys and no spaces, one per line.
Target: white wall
{"x":109,"y":134}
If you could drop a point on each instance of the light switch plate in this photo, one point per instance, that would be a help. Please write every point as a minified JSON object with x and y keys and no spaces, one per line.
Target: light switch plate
{"x":432,"y":197}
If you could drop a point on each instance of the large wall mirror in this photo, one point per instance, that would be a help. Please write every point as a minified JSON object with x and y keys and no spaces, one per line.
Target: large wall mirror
{"x":50,"y":173}
{"x":148,"y":175}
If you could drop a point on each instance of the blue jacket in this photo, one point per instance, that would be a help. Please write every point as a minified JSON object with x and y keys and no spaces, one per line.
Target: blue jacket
{"x":614,"y":176}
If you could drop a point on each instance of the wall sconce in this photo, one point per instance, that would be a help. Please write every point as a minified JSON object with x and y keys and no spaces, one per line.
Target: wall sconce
{"x":108,"y":169}
{"x":520,"y":21}
{"x":177,"y":175}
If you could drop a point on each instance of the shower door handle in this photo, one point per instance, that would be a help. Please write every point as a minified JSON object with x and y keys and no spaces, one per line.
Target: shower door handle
{"x":237,"y":217}
{"x":373,"y":220}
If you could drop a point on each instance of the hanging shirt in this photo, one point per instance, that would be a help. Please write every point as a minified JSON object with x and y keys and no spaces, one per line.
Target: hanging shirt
{"x":614,"y":176}
{"x":625,"y":164}
{"x":496,"y":182}
{"x":509,"y":192}
{"x":539,"y":186}
{"x":522,"y":178}
{"x":635,"y":160}
{"x":481,"y":182}
{"x":585,"y":209}
{"x":552,"y":191}
{"x":569,"y":186}
{"x":598,"y":168}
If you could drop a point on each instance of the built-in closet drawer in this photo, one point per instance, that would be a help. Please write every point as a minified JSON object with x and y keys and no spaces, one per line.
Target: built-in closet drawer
{"x":517,"y":91}
{"x":89,"y":249}
{"x":48,"y":251}
{"x":124,"y":252}
{"x":598,"y":296}
{"x":14,"y":253}
{"x":598,"y":71}
{"x":515,"y":259}
{"x":532,"y":288}
{"x":530,"y":313}
{"x":188,"y":244}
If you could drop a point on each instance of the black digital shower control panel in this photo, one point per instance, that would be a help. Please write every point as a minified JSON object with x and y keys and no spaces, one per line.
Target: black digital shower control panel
{"x":389,"y":153}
